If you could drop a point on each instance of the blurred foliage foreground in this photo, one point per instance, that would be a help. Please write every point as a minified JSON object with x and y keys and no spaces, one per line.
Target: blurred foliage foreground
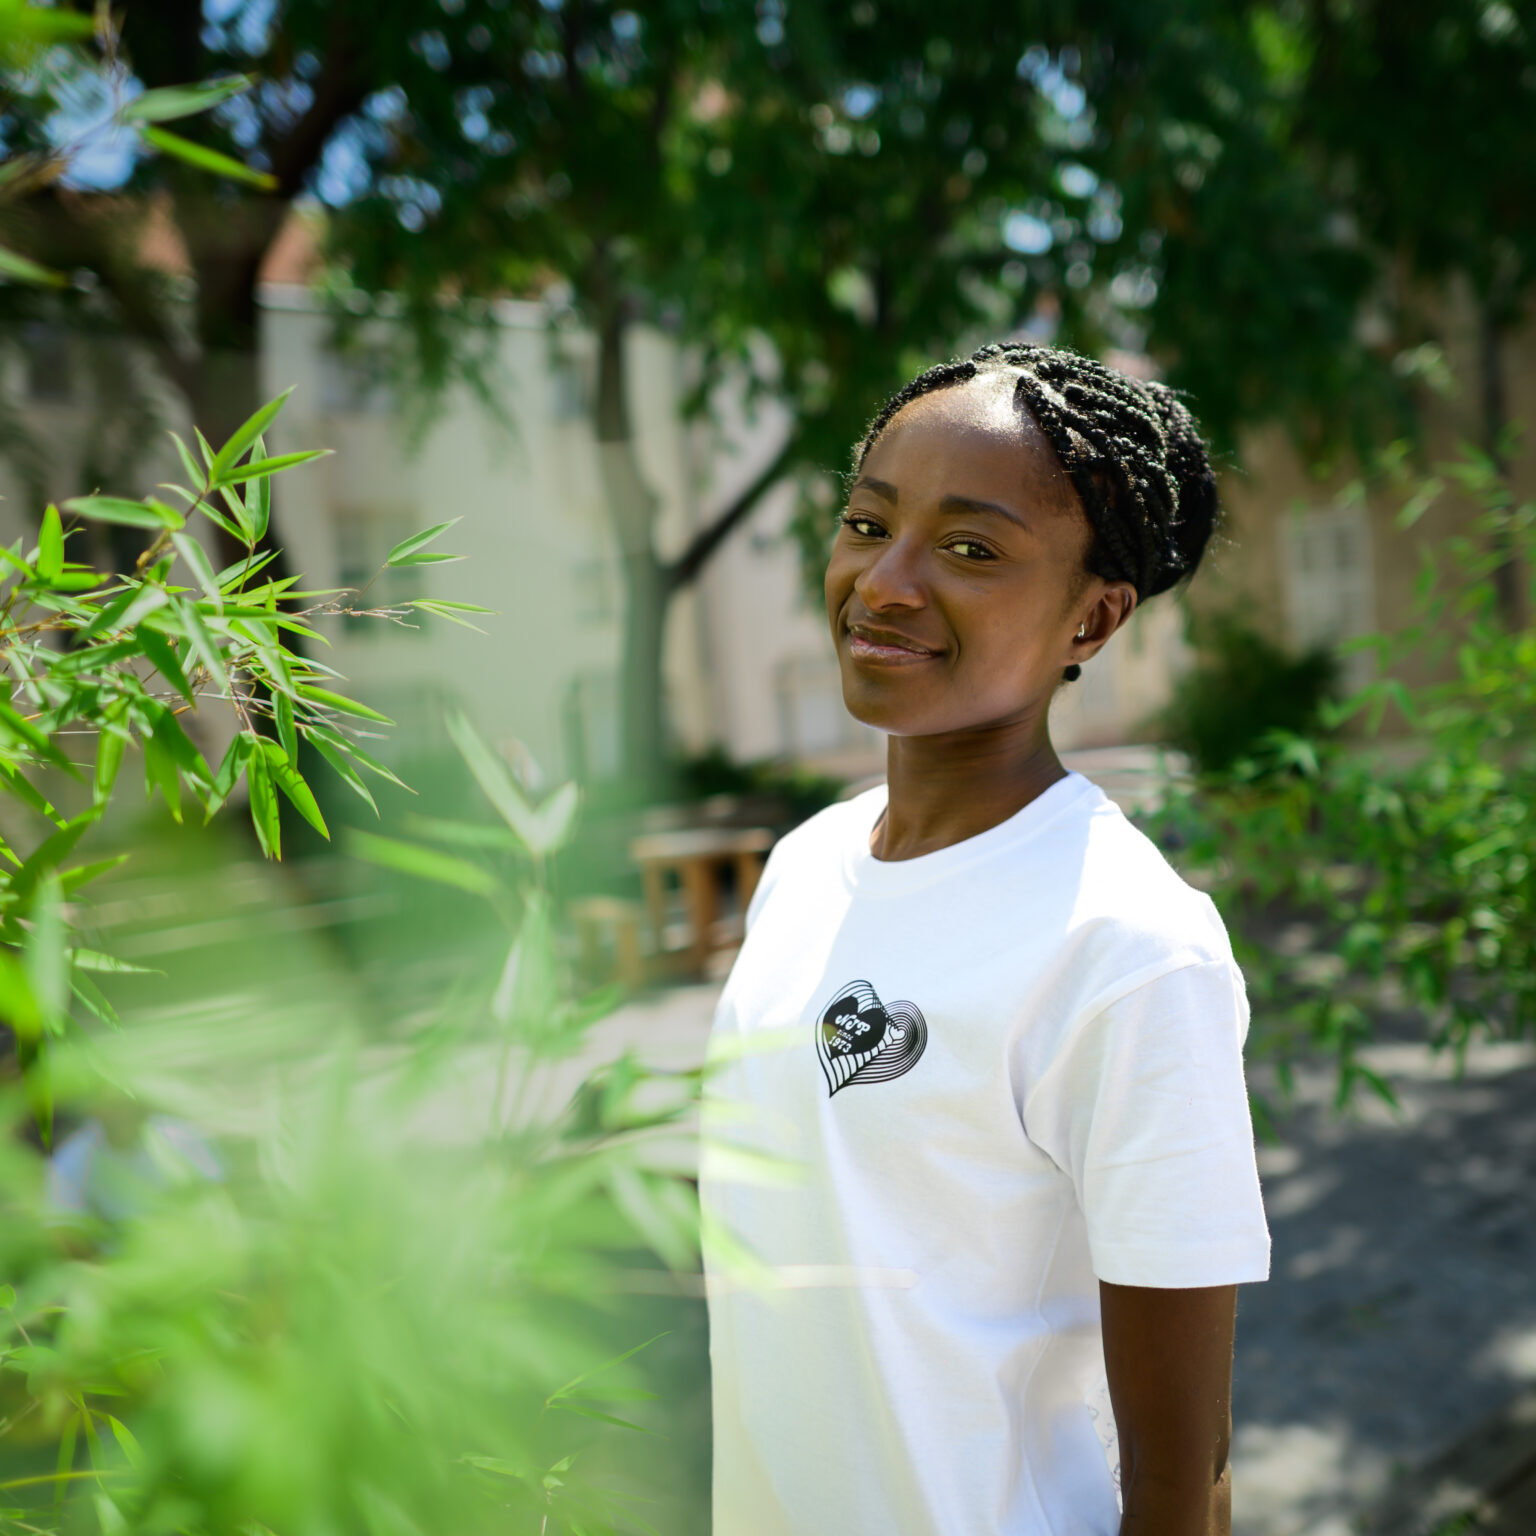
{"x":1392,"y":874}
{"x":279,"y":1277}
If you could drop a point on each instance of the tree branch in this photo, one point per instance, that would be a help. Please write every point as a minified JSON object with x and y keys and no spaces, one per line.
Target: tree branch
{"x":340,"y":90}
{"x":685,"y":569}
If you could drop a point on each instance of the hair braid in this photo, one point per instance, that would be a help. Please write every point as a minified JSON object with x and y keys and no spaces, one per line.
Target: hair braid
{"x":1131,"y":448}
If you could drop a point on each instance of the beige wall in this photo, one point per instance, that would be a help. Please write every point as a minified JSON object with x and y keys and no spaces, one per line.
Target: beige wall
{"x":1257,"y":570}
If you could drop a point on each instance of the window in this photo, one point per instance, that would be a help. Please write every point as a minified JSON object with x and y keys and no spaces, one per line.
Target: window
{"x":1329,"y":593}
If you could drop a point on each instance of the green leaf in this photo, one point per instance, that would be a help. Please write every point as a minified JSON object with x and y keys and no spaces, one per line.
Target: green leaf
{"x":291,"y":782}
{"x":203,"y":643}
{"x":7,"y":1297}
{"x":94,"y":999}
{"x":197,"y":474}
{"x":244,"y":436}
{"x":167,"y":728}
{"x":95,"y":960}
{"x":171,"y":102}
{"x":46,"y":953}
{"x":347,"y":774}
{"x":340,"y":702}
{"x":19,"y":728}
{"x":50,"y":547}
{"x":161,"y":653}
{"x":425,"y":863}
{"x":427,"y":558}
{"x":207,"y":159}
{"x":228,"y":775}
{"x":418,"y":541}
{"x":160,"y":773}
{"x":264,"y":813}
{"x":442,"y":611}
{"x":193,"y":553}
{"x":19,"y":269}
{"x":18,"y":1007}
{"x":262,"y":469}
{"x":14,"y":782}
{"x":132,"y":514}
{"x":543,"y":830}
{"x":258,"y":493}
{"x":71,"y":880}
{"x":131,"y":1447}
{"x":50,"y":853}
{"x":111,"y":743}
{"x":285,"y":728}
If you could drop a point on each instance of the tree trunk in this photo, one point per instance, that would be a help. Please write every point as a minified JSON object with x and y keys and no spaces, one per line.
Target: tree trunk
{"x":632,"y":511}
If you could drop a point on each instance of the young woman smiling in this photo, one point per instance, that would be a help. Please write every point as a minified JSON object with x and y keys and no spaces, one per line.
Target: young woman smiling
{"x":997,"y":1296}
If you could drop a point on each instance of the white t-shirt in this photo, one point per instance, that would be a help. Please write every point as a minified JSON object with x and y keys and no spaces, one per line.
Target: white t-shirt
{"x":951,"y":1094}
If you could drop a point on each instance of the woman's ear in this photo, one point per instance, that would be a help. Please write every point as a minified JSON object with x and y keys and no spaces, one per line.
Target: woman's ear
{"x":1115,"y":603}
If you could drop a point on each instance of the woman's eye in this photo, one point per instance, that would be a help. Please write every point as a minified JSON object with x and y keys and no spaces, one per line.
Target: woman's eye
{"x":866,"y":527}
{"x":969,"y":549}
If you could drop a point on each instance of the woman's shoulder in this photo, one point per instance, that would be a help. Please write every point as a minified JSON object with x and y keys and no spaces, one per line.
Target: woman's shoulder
{"x":1128,"y":885}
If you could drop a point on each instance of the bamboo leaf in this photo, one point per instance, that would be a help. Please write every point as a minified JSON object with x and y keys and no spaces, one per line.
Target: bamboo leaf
{"x":95,"y":960}
{"x":264,"y":812}
{"x":407,"y":547}
{"x":347,"y":774}
{"x":244,"y":436}
{"x":425,"y":558}
{"x":111,"y":743}
{"x":50,"y":547}
{"x":291,"y":782}
{"x":18,"y":1007}
{"x":168,"y":103}
{"x":193,"y":553}
{"x":203,"y":643}
{"x":14,"y":782}
{"x":262,"y":469}
{"x":94,"y":998}
{"x":163,"y":655}
{"x":17,"y":726}
{"x":286,"y":733}
{"x":340,"y":702}
{"x":228,"y":775}
{"x":196,"y":475}
{"x":132,"y":514}
{"x":428,"y":605}
{"x":424,"y":863}
{"x":19,"y":269}
{"x":206,"y":159}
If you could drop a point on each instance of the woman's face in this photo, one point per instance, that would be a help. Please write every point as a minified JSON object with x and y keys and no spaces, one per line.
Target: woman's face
{"x":957,"y":582}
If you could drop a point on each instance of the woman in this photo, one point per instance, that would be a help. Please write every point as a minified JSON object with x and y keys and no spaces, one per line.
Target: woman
{"x":994,"y":1037}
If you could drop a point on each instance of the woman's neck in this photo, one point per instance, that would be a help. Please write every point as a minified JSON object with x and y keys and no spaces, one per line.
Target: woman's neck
{"x":944,"y":789}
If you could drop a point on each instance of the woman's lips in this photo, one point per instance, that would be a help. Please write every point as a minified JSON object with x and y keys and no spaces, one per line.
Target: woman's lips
{"x":882,"y":653}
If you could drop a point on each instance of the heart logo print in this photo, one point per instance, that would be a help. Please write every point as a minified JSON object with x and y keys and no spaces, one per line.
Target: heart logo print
{"x":859,"y":1039}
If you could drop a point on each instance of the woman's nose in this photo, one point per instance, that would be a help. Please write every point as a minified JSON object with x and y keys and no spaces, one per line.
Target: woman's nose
{"x":891,"y":579}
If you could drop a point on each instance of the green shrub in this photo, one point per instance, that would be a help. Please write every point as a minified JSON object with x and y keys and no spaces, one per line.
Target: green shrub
{"x":1406,"y":885}
{"x":1241,"y":688}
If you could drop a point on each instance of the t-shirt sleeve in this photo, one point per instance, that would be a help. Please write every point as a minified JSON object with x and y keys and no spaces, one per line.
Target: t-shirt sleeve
{"x":1144,"y":1107}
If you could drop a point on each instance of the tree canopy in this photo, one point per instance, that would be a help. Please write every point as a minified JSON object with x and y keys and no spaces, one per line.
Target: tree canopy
{"x":821,"y":198}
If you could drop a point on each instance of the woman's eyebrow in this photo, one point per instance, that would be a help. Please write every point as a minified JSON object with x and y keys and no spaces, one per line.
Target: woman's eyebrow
{"x":882,"y":488}
{"x":960,"y":505}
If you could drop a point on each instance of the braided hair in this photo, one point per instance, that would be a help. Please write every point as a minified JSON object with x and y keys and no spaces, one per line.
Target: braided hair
{"x":1132,"y":451}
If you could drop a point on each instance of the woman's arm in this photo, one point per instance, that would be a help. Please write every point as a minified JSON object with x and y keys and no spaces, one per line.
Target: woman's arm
{"x":1169,"y":1359}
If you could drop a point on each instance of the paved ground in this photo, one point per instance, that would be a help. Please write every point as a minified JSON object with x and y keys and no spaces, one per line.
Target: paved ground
{"x":1402,"y":1311}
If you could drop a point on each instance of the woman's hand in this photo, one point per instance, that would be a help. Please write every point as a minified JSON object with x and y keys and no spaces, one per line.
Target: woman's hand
{"x":1169,"y":1359}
